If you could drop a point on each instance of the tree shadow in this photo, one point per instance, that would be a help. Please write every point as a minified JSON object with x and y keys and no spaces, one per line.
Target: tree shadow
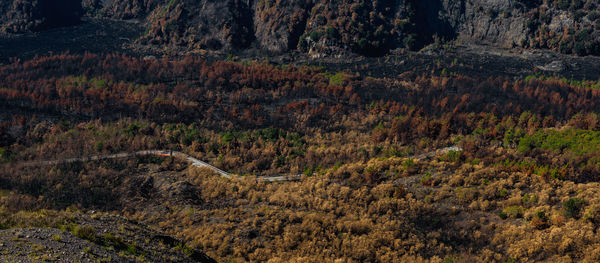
{"x":430,"y":23}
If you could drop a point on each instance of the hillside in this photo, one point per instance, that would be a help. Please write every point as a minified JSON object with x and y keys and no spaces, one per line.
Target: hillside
{"x":374,"y":187}
{"x":299,"y":131}
{"x":329,"y":28}
{"x":324,"y":27}
{"x":76,"y":236}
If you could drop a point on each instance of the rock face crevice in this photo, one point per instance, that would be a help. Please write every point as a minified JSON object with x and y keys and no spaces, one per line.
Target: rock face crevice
{"x":280,"y":24}
{"x":437,"y":19}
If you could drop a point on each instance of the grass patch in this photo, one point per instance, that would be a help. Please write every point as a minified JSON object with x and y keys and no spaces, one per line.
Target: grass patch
{"x":337,"y":79}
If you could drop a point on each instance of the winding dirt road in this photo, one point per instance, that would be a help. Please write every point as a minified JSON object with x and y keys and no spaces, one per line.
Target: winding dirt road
{"x":198,"y":163}
{"x":193,"y":161}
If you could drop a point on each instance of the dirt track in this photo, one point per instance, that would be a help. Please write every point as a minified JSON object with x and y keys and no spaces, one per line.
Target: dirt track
{"x":198,"y":163}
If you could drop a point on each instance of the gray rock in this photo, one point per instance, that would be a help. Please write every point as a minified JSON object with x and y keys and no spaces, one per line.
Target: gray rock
{"x":486,"y":21}
{"x":554,"y":66}
{"x":560,"y":20}
{"x":281,"y":30}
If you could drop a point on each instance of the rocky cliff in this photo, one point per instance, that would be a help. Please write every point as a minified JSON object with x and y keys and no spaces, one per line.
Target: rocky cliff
{"x":562,"y":25}
{"x":366,"y":27}
{"x":328,"y":27}
{"x":497,"y":22}
{"x":370,"y":27}
{"x":205,"y":24}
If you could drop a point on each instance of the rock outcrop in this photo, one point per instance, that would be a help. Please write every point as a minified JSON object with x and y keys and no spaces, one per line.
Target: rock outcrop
{"x":278,"y":25}
{"x":571,"y":27}
{"x":18,"y":16}
{"x":490,"y":22}
{"x":205,"y":24}
{"x":326,"y":27}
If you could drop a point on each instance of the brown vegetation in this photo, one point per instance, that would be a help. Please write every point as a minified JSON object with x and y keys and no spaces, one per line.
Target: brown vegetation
{"x":523,"y":187}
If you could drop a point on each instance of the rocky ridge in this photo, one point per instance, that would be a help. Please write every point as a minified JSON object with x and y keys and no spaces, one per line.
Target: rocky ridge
{"x":326,"y":27}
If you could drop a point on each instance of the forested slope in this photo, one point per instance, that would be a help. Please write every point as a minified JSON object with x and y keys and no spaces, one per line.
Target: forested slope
{"x":526,"y":175}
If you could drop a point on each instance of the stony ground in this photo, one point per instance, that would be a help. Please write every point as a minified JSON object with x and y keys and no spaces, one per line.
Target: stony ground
{"x":44,"y":244}
{"x":93,"y":237}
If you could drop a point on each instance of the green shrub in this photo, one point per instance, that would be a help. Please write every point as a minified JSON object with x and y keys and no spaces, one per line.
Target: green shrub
{"x":116,"y":242}
{"x":502,"y":192}
{"x":593,"y":16}
{"x":331,"y":33}
{"x":408,"y":163}
{"x":309,"y":171}
{"x":580,"y":142}
{"x":466,"y":195}
{"x":98,"y":146}
{"x":409,"y":41}
{"x":493,"y":13}
{"x":426,"y":179}
{"x":132,"y":249}
{"x":337,"y":79}
{"x":303,"y":43}
{"x":4,"y":155}
{"x":572,"y":207}
{"x":451,"y":157}
{"x":529,"y":199}
{"x":540,"y":220}
{"x":563,"y":4}
{"x":579,"y":14}
{"x":592,"y":214}
{"x":316,"y":35}
{"x":57,"y":238}
{"x":502,"y":215}
{"x":452,"y":259}
{"x":513,"y":211}
{"x":85,"y":232}
{"x":268,"y":134}
{"x":185,"y":249}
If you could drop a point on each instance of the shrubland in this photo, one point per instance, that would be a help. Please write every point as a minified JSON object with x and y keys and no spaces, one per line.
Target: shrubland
{"x":522,"y":187}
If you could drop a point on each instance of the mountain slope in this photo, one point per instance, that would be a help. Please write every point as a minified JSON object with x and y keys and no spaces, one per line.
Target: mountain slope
{"x":327,"y":27}
{"x":366,"y":27}
{"x":76,"y":236}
